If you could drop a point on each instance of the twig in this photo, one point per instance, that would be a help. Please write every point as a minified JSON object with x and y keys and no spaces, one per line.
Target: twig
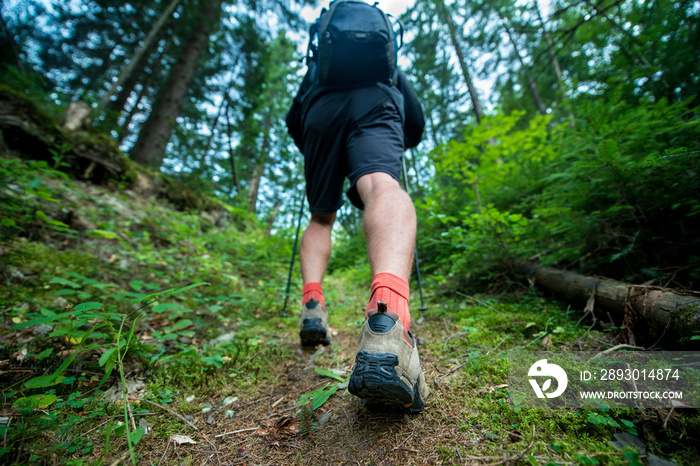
{"x":4,"y":437}
{"x":618,"y":347}
{"x":481,"y":302}
{"x":662,"y":334}
{"x":121,"y":458}
{"x":237,"y":432}
{"x":505,"y":460}
{"x":448,"y":339}
{"x":277,"y":413}
{"x":498,"y":345}
{"x":254,"y":401}
{"x":182,"y":418}
{"x":406,"y":449}
{"x":398,"y":447}
{"x":131,"y":415}
{"x":669,"y":416}
{"x":440,"y":376}
{"x":277,"y":402}
{"x":590,"y":305}
{"x":166,"y":450}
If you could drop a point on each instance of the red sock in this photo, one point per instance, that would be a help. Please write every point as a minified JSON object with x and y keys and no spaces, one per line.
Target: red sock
{"x":393,"y":291}
{"x":312,"y":290}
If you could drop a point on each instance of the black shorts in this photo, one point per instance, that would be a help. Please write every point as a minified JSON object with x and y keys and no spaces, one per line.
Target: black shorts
{"x":350,"y":134}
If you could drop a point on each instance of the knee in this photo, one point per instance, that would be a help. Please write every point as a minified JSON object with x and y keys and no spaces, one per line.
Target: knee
{"x":323,"y":220}
{"x":375,"y":184}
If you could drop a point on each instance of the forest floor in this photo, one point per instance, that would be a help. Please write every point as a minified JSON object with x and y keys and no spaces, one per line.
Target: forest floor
{"x":467,"y":420}
{"x":215,"y":374}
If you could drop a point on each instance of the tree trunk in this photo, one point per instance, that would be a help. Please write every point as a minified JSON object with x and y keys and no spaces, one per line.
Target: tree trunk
{"x":154,"y":136}
{"x":145,"y":86}
{"x":259,"y":168}
{"x":232,"y":154}
{"x":648,"y":313}
{"x":272,"y":217}
{"x":96,"y":74}
{"x":213,"y":125}
{"x":147,"y":43}
{"x":124,"y":127}
{"x":135,"y":77}
{"x":11,"y":50}
{"x":556,"y":67}
{"x":524,"y":69}
{"x":478,"y":111}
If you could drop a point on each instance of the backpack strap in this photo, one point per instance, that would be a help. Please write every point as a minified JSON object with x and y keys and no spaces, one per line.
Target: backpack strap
{"x":397,"y":43}
{"x":311,"y":49}
{"x":324,"y":20}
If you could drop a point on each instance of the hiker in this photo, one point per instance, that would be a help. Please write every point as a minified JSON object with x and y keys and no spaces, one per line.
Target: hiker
{"x":353,"y":116}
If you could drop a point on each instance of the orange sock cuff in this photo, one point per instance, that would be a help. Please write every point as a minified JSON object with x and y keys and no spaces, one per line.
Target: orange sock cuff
{"x":394,"y":291}
{"x":312,"y":290}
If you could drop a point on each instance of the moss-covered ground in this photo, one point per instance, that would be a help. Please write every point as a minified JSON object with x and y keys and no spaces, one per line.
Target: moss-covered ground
{"x":109,"y":354}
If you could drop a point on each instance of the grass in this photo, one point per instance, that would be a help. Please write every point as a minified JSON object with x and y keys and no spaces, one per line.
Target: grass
{"x":238,"y":397}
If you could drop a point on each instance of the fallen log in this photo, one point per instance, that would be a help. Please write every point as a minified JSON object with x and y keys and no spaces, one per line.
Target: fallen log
{"x":648,"y":313}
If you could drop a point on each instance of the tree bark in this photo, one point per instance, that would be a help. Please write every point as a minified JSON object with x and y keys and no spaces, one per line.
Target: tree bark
{"x":232,"y":154}
{"x":556,"y":66}
{"x":524,"y":69}
{"x":259,"y":168}
{"x":127,"y":88}
{"x":96,"y":74}
{"x":213,"y":125}
{"x":147,"y":43}
{"x":154,"y":136}
{"x":145,"y":86}
{"x":478,"y":110}
{"x":648,"y":313}
{"x":11,"y":48}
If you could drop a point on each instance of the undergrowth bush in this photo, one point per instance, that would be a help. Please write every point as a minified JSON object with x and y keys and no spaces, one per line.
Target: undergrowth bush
{"x":615,"y":194}
{"x":116,"y":292}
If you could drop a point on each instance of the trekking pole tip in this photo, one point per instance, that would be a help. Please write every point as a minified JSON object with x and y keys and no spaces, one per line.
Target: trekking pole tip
{"x":422,"y":309}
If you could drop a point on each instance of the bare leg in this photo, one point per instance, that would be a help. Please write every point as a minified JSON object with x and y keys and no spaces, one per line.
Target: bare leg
{"x":389,"y":224}
{"x":387,"y":366}
{"x":315,"y":249}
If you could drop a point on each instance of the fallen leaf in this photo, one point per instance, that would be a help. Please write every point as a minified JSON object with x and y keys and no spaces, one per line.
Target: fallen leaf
{"x":20,"y":355}
{"x":547,"y":342}
{"x":286,"y":426}
{"x":180,"y":439}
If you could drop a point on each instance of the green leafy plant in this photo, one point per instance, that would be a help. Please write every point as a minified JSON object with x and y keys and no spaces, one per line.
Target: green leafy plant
{"x":318,"y":396}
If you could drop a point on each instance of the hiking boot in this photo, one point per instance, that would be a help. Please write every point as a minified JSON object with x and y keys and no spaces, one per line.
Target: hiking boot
{"x":387,"y":367}
{"x":313,"y":324}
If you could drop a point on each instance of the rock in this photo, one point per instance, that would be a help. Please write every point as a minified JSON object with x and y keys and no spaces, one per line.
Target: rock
{"x":223,"y":338}
{"x":42,"y":329}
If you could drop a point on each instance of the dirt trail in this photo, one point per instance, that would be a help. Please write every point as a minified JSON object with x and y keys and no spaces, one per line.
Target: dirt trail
{"x":342,"y":431}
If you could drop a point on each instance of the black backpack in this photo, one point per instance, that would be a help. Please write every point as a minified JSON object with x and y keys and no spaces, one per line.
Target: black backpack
{"x":353,"y":44}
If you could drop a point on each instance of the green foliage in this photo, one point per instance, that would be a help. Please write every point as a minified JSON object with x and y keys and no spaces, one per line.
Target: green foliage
{"x":319,"y":396}
{"x":125,"y":300}
{"x":26,"y":190}
{"x":615,"y":194}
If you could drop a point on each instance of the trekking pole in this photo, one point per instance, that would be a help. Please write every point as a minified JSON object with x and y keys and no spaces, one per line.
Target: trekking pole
{"x":415,"y":248}
{"x":294,"y":252}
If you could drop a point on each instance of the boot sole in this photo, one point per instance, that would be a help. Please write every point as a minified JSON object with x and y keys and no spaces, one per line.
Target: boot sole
{"x":313,"y":333}
{"x":374,"y":379}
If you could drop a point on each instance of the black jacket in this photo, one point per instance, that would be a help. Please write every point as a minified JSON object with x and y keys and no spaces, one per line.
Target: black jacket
{"x":414,"y":120}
